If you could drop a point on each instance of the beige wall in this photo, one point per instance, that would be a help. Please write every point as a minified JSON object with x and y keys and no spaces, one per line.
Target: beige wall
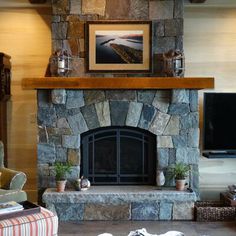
{"x":25,"y":36}
{"x":210,"y":50}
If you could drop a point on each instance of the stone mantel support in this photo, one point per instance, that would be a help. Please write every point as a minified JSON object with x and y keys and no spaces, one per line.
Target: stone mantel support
{"x":118,"y":83}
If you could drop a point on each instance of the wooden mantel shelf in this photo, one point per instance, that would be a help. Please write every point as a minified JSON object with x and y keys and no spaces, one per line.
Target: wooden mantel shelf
{"x":118,"y":83}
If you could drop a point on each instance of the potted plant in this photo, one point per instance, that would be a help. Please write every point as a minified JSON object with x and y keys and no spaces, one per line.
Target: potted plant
{"x":61,"y":170}
{"x":180,"y":171}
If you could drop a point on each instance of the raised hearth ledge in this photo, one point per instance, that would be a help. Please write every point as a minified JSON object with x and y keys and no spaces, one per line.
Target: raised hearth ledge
{"x":117,"y":194}
{"x":121,"y":203}
{"x":118,"y":83}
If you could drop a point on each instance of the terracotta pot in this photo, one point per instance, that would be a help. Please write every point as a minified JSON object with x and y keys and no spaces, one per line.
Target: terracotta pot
{"x":180,"y":184}
{"x":61,"y":184}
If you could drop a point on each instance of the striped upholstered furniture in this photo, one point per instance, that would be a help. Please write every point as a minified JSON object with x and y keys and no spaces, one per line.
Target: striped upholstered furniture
{"x":11,"y":182}
{"x":44,"y":223}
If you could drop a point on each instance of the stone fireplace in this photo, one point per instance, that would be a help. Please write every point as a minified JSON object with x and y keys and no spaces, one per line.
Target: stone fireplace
{"x":118,"y":137}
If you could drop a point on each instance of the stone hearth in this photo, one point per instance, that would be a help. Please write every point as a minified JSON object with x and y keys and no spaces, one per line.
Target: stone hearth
{"x":121,"y":203}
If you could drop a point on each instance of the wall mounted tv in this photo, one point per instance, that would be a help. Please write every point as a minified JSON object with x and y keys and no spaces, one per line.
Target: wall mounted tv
{"x":219,"y":125}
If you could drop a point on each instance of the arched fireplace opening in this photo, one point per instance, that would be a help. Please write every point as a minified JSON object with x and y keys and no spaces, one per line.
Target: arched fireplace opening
{"x":119,"y":156}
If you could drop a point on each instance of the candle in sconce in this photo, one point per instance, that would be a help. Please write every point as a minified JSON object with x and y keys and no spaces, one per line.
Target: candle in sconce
{"x":61,"y":65}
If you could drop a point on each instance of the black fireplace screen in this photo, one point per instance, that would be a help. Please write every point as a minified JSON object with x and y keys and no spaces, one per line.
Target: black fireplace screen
{"x":119,"y":156}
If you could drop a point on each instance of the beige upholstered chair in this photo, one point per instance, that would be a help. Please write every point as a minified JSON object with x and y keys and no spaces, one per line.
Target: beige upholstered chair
{"x":11,"y":183}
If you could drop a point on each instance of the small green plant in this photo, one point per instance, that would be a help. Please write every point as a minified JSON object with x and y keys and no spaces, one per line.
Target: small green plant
{"x":180,"y":171}
{"x":61,"y":169}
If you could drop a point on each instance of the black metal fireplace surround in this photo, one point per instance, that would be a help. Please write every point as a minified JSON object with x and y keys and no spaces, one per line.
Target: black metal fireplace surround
{"x":119,"y":156}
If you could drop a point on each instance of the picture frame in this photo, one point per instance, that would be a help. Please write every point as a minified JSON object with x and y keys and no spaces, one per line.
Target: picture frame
{"x":119,"y":46}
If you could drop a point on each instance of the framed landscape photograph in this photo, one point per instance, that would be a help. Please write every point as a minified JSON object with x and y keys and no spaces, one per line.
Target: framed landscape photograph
{"x":119,"y":46}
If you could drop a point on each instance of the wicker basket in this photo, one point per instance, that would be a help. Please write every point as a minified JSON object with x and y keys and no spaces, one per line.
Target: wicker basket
{"x":214,"y":211}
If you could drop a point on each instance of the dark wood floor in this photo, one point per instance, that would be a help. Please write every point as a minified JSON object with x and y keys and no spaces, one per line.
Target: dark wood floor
{"x":119,"y":228}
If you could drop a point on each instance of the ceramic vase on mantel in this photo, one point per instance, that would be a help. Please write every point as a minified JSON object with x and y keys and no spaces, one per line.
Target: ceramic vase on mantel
{"x":160,"y":178}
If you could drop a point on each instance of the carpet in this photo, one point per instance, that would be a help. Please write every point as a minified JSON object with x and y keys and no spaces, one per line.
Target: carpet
{"x":143,"y":232}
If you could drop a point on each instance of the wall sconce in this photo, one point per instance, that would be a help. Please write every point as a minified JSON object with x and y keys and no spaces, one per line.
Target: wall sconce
{"x":174,"y":63}
{"x":60,"y":63}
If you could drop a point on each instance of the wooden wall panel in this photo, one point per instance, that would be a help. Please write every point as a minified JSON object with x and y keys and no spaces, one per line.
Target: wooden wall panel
{"x":25,"y":35}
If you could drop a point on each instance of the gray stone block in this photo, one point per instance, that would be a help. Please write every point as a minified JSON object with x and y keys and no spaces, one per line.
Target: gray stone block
{"x":183,"y":211}
{"x":180,"y":96}
{"x":180,"y":141}
{"x":178,"y":8}
{"x":107,"y":212}
{"x":55,"y":140}
{"x":46,"y":116}
{"x":147,"y":116}
{"x":139,"y":9}
{"x":121,"y":95}
{"x":119,"y":111}
{"x":55,"y":18}
{"x":174,"y":27}
{"x":179,"y":109}
{"x":61,"y":111}
{"x":58,"y":96}
{"x":159,"y":123}
{"x":61,"y":154}
{"x":94,"y":96}
{"x":162,"y":157}
{"x":63,"y":123}
{"x":58,"y":131}
{"x":74,"y":174}
{"x":75,"y":7}
{"x":187,"y":155}
{"x":145,"y":211}
{"x":193,"y":156}
{"x":71,"y":141}
{"x":158,"y":28}
{"x":90,"y":116}
{"x":66,"y":211}
{"x":134,"y":113}
{"x":161,"y":105}
{"x":75,"y":99}
{"x":173,"y":126}
{"x":77,"y":123}
{"x":163,"y":44}
{"x":182,"y":155}
{"x":190,"y":120}
{"x":179,"y":43}
{"x":166,"y":210}
{"x":161,"y":10}
{"x":164,"y":142}
{"x":59,"y":30}
{"x":103,"y":113}
{"x":172,"y":156}
{"x":193,"y":138}
{"x":46,"y":153}
{"x":146,"y":96}
{"x":193,"y":97}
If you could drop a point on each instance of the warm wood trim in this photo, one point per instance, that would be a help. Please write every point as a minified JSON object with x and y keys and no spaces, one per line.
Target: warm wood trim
{"x":118,"y":83}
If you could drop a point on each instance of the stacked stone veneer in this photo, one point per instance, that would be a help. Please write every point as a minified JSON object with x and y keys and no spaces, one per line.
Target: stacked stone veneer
{"x":63,"y":115}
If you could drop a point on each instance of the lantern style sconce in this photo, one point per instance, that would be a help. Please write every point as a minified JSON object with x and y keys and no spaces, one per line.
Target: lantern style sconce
{"x":173,"y":63}
{"x":60,"y":63}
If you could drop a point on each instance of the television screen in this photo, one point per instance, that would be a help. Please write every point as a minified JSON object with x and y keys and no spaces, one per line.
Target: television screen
{"x":219,"y":119}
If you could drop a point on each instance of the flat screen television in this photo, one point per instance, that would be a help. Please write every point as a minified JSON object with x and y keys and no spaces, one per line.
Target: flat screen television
{"x":219,"y":125}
